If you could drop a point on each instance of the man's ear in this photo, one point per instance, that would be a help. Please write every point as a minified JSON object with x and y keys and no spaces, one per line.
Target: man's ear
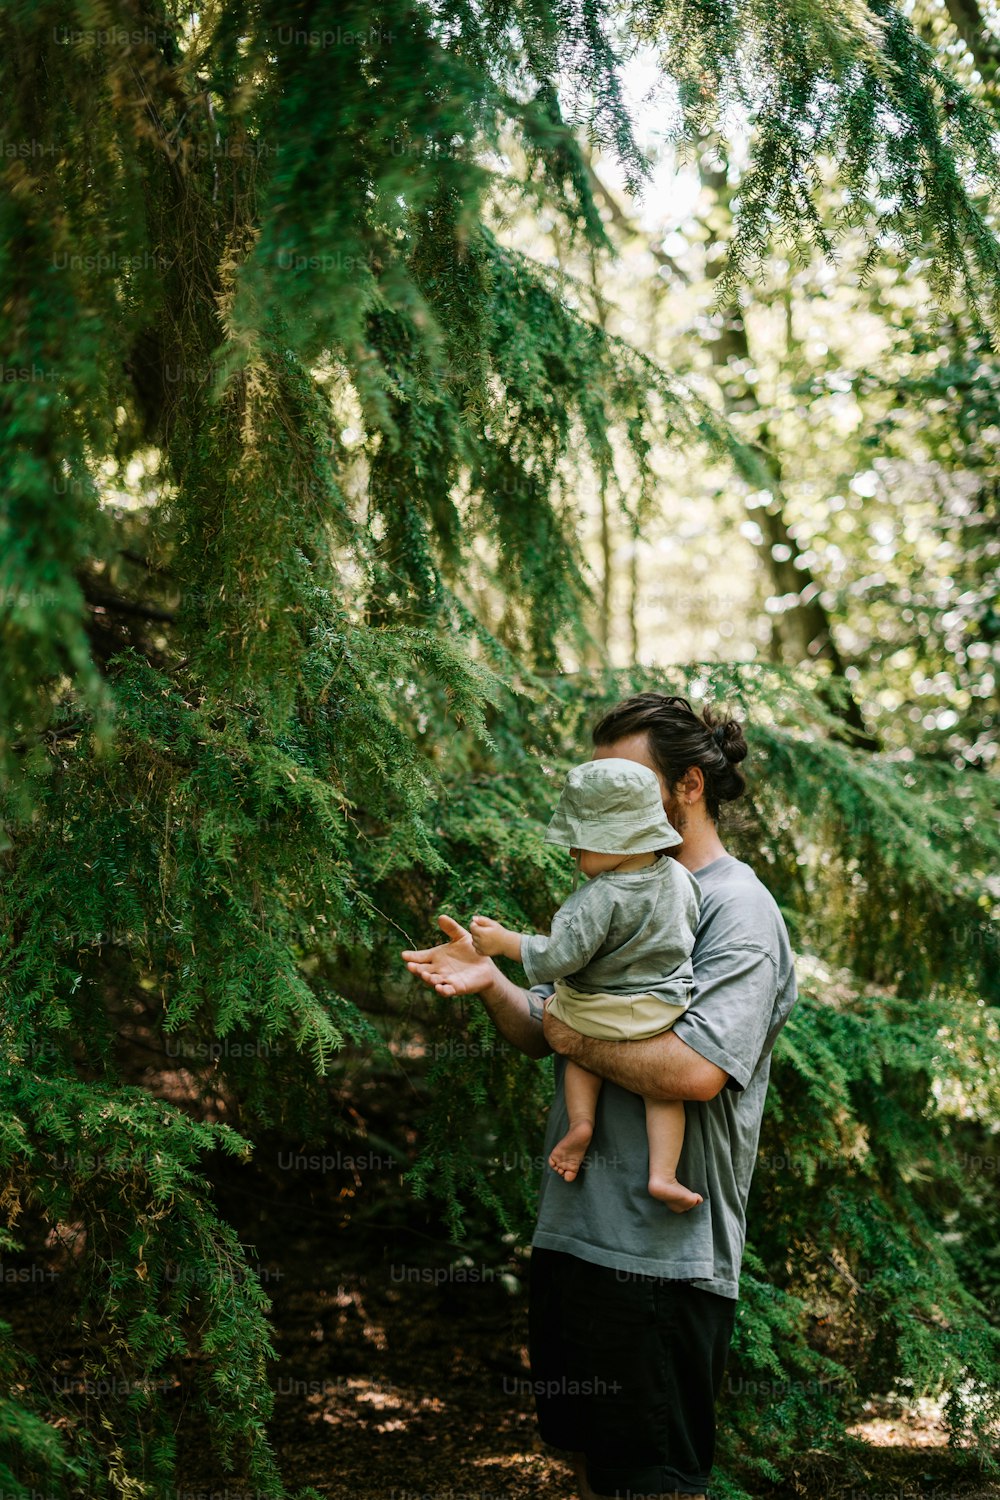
{"x":691,"y":787}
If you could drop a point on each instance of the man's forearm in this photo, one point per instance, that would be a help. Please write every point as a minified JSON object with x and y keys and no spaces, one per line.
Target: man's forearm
{"x":510,"y":1009}
{"x":662,"y":1067}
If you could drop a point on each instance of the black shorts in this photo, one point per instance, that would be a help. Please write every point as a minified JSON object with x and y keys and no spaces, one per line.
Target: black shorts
{"x":626,"y":1369}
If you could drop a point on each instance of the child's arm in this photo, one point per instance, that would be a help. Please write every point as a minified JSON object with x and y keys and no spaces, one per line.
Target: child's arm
{"x":493,"y":938}
{"x":579,"y":928}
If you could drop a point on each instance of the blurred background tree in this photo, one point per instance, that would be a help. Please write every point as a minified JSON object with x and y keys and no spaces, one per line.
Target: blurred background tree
{"x":367,"y":432}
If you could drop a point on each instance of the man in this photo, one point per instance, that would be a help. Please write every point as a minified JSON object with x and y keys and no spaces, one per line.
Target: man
{"x":632,"y":1306}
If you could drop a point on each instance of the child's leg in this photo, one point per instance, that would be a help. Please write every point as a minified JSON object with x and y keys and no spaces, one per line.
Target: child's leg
{"x":582,"y":1090}
{"x":665,"y":1131}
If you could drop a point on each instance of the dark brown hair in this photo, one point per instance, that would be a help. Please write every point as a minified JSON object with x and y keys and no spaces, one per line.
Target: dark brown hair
{"x":678,"y":739}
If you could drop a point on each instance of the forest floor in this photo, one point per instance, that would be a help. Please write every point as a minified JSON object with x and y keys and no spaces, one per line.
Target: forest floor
{"x":403,"y":1371}
{"x":405,"y":1377}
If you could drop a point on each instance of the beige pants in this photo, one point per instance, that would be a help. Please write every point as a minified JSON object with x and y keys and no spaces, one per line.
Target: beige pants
{"x":614,"y":1018}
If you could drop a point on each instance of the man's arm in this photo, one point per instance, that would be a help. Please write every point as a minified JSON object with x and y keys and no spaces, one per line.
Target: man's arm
{"x":455,"y":968}
{"x":715,"y":1044}
{"x":515,"y":1017}
{"x":662,"y":1067}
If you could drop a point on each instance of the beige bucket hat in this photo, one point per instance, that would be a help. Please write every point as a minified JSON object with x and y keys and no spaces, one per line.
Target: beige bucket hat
{"x":612,"y":806}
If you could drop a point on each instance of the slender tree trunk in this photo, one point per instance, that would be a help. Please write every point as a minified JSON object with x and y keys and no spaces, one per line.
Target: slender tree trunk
{"x":967,"y":19}
{"x":633,"y":606}
{"x":803,"y":629}
{"x":604,"y":624}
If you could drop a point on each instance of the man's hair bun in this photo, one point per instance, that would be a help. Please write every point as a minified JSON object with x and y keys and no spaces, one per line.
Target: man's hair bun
{"x":728,"y":734}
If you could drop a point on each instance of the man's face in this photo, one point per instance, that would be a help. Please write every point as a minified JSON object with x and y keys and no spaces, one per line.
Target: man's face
{"x":636,"y":747}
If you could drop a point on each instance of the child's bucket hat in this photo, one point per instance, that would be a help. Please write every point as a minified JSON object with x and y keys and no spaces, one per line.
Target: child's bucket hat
{"x":612,"y":806}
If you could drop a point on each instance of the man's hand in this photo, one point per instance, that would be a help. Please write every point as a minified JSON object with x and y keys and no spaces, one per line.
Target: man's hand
{"x":455,"y":968}
{"x":452,"y":968}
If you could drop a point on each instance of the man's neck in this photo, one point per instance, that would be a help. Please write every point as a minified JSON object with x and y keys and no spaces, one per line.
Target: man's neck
{"x":700,"y":847}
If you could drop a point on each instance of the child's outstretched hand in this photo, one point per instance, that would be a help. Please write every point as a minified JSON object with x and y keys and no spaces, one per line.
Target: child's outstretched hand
{"x":489,"y":937}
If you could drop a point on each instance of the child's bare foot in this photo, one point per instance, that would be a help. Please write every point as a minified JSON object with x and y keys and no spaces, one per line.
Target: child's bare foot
{"x":568,"y":1153}
{"x":673,"y":1194}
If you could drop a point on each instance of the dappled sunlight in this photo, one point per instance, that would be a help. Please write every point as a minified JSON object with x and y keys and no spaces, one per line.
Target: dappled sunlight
{"x":917,"y":1425}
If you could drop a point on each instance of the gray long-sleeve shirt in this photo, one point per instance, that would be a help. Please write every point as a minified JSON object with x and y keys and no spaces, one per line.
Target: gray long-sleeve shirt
{"x":629,"y":932}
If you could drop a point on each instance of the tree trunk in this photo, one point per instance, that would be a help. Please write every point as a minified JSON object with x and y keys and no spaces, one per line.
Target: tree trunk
{"x":967,"y":19}
{"x":604,"y":624}
{"x":803,"y":631}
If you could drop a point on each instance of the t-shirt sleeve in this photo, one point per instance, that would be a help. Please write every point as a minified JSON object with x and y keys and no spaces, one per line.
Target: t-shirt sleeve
{"x":537,"y":996}
{"x":579,"y":928}
{"x":730,"y":1012}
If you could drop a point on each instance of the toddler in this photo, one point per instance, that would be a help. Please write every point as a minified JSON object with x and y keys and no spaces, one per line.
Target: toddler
{"x":619,"y":952}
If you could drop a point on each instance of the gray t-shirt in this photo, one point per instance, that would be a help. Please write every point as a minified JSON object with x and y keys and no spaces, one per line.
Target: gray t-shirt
{"x":629,"y":932}
{"x":744,"y":991}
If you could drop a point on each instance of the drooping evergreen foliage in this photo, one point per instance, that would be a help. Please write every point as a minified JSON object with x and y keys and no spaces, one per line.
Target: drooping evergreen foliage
{"x":294,"y":448}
